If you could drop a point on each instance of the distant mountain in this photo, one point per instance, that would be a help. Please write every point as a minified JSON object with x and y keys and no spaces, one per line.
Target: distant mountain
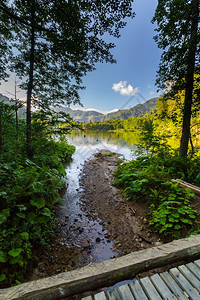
{"x":124,"y":114}
{"x":21,"y":111}
{"x":82,"y":115}
{"x":135,"y":111}
{"x":92,"y":115}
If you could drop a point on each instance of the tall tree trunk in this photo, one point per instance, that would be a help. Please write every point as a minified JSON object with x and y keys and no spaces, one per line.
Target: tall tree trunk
{"x":1,"y":142}
{"x":16,"y":111}
{"x":30,"y":86}
{"x":187,"y":112}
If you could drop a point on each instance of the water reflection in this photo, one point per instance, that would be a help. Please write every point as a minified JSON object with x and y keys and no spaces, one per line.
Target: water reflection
{"x":80,"y":229}
{"x":92,"y":141}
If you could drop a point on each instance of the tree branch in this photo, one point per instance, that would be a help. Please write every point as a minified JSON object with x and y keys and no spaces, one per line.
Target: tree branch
{"x":12,"y":15}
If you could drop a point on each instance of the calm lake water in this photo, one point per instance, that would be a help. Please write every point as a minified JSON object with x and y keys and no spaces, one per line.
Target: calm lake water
{"x":83,"y":230}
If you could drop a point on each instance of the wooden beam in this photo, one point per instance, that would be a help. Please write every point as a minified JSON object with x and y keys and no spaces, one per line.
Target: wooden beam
{"x":106,"y":273}
{"x":195,"y":189}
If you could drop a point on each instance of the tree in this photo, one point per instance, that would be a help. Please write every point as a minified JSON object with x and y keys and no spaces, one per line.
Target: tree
{"x":58,"y":42}
{"x":5,"y":36}
{"x":179,"y":37}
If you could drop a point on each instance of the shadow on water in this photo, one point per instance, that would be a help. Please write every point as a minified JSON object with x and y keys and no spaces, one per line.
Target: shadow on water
{"x":80,"y":230}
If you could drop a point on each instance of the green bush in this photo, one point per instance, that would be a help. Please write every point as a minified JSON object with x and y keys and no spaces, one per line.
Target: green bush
{"x":147,"y":179}
{"x":29,"y":189}
{"x":172,"y":214}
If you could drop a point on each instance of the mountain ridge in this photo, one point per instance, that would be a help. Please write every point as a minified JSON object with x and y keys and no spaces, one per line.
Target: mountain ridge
{"x":86,"y":116}
{"x":92,"y":115}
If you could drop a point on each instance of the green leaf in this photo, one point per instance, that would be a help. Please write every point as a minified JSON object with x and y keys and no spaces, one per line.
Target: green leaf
{"x":46,"y":212}
{"x":186,"y":221}
{"x":6,"y":212}
{"x":2,"y":277}
{"x":43,"y":220}
{"x":21,"y":207}
{"x":2,"y":218}
{"x":177,"y":227}
{"x":176,"y":215}
{"x":21,"y":215}
{"x":31,"y":217}
{"x":39,"y":202}
{"x":25,"y":236}
{"x":15,"y":252}
{"x":3,"y":257}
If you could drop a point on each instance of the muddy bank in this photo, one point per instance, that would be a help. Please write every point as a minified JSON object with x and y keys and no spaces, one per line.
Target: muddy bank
{"x":125,"y":222}
{"x":94,"y":222}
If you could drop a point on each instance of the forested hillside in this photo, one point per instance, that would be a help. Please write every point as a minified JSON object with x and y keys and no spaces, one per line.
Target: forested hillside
{"x":94,"y":116}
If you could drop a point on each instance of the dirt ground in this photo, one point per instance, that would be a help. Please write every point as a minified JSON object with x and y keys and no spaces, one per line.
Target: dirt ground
{"x":126,"y":222}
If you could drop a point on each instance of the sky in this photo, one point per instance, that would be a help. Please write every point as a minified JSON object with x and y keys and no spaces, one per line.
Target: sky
{"x":137,"y":55}
{"x":132,"y":79}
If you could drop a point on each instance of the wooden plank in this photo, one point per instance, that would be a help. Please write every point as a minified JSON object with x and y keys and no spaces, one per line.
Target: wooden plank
{"x":113,"y":295}
{"x":197,"y":262}
{"x":194,"y":269}
{"x":100,"y":296}
{"x":125,"y":292}
{"x":173,"y":286}
{"x":161,"y":287}
{"x":149,"y":289}
{"x":190,"y":277}
{"x":137,"y":290}
{"x":106,"y":273}
{"x":182,"y":281}
{"x":87,"y":298}
{"x":195,"y":189}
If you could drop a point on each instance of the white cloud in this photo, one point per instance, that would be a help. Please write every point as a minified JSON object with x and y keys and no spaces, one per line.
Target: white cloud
{"x":125,"y":89}
{"x":152,"y":93}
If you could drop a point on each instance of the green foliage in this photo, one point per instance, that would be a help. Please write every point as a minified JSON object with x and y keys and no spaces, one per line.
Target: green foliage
{"x":172,"y":214}
{"x":147,"y":179}
{"x":29,"y":189}
{"x":123,"y":119}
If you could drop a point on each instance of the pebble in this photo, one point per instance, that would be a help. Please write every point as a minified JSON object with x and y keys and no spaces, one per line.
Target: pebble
{"x":158,"y":243}
{"x":98,"y":240}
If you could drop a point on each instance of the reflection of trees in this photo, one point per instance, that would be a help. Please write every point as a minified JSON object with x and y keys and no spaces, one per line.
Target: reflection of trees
{"x":123,"y":139}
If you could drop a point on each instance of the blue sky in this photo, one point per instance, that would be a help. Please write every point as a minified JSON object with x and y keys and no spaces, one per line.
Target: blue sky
{"x":137,"y":58}
{"x":132,"y":79}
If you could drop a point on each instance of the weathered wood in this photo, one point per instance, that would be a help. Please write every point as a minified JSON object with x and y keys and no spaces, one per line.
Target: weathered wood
{"x":197,"y":262}
{"x":100,"y":296}
{"x":195,"y":189}
{"x":174,"y":287}
{"x":113,"y":295}
{"x":87,"y":298}
{"x":106,"y":273}
{"x":125,"y":292}
{"x":162,"y":287}
{"x":181,"y":280}
{"x":137,"y":290}
{"x":190,"y":277}
{"x":149,"y":289}
{"x":194,"y":269}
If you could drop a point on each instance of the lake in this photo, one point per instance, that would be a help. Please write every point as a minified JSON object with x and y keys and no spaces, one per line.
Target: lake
{"x":84,"y":231}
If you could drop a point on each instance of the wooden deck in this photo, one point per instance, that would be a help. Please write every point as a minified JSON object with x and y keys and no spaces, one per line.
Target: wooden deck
{"x":181,"y":283}
{"x":107,"y":273}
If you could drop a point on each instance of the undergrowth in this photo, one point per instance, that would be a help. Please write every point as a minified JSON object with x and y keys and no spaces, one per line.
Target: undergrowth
{"x":29,"y":189}
{"x":148,"y":179}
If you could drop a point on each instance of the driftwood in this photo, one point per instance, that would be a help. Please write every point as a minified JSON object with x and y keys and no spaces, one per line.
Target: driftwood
{"x":193,"y":188}
{"x":105,"y":273}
